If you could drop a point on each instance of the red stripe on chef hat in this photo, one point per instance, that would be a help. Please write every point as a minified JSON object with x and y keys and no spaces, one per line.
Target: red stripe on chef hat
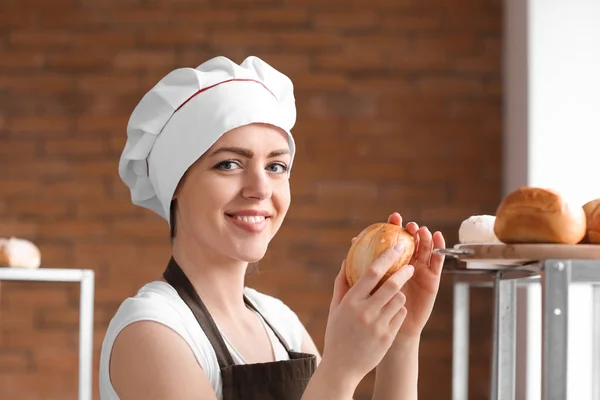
{"x":220,"y":83}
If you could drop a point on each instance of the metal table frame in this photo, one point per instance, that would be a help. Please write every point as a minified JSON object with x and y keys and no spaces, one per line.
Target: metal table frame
{"x":555,"y":277}
{"x":86,"y":312}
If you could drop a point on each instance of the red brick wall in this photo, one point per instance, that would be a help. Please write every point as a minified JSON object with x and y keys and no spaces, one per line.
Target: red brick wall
{"x":399,"y":106}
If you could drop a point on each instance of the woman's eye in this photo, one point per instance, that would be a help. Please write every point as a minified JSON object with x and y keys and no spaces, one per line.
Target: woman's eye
{"x":278,"y":168}
{"x":227,"y":165}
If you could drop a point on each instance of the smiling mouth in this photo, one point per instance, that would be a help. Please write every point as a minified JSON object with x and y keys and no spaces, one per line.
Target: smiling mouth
{"x":252,"y":219}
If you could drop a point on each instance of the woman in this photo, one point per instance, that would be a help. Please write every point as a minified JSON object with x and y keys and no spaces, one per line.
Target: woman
{"x":210,"y":150}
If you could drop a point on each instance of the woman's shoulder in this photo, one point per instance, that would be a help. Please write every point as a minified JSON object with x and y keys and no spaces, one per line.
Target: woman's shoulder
{"x":158,"y":302}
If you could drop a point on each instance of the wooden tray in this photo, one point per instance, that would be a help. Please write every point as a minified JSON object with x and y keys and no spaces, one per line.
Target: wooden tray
{"x":519,"y":254}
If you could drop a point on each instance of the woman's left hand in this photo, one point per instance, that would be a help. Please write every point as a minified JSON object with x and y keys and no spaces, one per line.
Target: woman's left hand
{"x":421,"y":290}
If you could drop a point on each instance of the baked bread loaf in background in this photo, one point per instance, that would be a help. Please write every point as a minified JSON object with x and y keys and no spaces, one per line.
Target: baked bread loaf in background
{"x":19,"y":253}
{"x":592,"y":216}
{"x":538,"y":215}
{"x":478,"y":229}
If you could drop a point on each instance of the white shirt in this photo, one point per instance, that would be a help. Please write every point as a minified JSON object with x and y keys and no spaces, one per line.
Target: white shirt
{"x":159,"y":302}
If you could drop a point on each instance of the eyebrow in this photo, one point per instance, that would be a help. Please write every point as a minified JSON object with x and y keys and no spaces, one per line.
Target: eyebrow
{"x":247,"y":153}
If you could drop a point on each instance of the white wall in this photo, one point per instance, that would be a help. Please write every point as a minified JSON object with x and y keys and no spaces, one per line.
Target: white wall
{"x":552,"y":139}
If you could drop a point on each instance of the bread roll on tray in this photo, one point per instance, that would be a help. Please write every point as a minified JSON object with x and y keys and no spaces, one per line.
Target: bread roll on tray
{"x":477,"y":229}
{"x":538,"y":215}
{"x":19,"y":253}
{"x":592,"y":216}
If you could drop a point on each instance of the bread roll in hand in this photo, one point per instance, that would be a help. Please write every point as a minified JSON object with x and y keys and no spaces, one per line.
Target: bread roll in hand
{"x":537,"y":215}
{"x":592,"y":216}
{"x":371,"y":243}
{"x":19,"y":253}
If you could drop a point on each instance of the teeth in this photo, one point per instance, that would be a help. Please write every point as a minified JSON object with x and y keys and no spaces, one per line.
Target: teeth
{"x":250,"y":219}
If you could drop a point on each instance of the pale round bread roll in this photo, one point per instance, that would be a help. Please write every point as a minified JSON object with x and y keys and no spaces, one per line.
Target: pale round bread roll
{"x":538,"y":215}
{"x":592,"y":216}
{"x":477,"y":229}
{"x":19,"y":253}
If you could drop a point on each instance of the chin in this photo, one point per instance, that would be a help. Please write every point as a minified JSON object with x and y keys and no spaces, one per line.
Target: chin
{"x":251,"y":256}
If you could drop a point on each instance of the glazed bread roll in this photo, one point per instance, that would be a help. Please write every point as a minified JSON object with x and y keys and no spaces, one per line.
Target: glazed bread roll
{"x":537,"y":215}
{"x":477,"y":229}
{"x":592,"y":216}
{"x":371,"y":243}
{"x":19,"y":253}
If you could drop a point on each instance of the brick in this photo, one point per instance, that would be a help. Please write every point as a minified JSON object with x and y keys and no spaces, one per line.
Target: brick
{"x":345,"y":20}
{"x":392,"y":85}
{"x":17,"y":321}
{"x":276,"y":17}
{"x":453,"y":44}
{"x":24,"y":341}
{"x":311,"y":40}
{"x":27,"y":386}
{"x":141,"y":60}
{"x":422,"y":195}
{"x":322,"y":82}
{"x":72,"y":18}
{"x":12,"y":226}
{"x":103,"y":104}
{"x":62,"y":39}
{"x":76,"y":61}
{"x":368,"y":61}
{"x":55,"y":254}
{"x":40,"y":209}
{"x":18,"y":187}
{"x":209,"y":16}
{"x":47,"y":82}
{"x":108,"y":83}
{"x":333,"y":192}
{"x":18,"y":149}
{"x":57,"y":360}
{"x":242,"y":37}
{"x":155,"y":229}
{"x":104,"y":208}
{"x":75,"y":189}
{"x":11,"y":19}
{"x":69,"y":229}
{"x":74,"y":147}
{"x":113,"y":124}
{"x":15,"y":360}
{"x":327,"y":105}
{"x":449,"y":85}
{"x":93,"y":169}
{"x":38,"y":125}
{"x":412,"y":22}
{"x":19,"y":60}
{"x":416,"y":106}
{"x":33,"y":299}
{"x":172,"y":37}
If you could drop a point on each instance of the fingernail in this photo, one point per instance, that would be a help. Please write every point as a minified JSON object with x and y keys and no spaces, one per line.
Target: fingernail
{"x":398,"y":247}
{"x":410,"y":268}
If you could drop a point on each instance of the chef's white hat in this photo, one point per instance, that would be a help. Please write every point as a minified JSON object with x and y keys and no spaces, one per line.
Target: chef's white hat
{"x":181,"y":117}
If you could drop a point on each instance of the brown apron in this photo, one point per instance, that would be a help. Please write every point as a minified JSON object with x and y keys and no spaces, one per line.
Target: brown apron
{"x":277,"y":380}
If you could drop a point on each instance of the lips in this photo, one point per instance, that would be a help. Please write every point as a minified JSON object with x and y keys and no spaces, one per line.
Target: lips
{"x":249,"y":220}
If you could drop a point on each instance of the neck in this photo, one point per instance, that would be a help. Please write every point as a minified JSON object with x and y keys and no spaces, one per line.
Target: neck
{"x":218,"y":280}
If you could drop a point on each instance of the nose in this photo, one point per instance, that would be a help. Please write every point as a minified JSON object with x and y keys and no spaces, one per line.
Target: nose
{"x":257,"y":184}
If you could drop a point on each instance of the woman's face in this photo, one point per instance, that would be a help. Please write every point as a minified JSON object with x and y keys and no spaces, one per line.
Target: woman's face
{"x":233,"y":200}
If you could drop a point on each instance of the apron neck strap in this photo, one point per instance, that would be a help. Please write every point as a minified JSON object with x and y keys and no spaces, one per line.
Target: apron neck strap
{"x":177,"y":278}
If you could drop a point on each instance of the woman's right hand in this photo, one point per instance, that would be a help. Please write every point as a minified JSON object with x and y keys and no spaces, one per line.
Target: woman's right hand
{"x":361,"y":327}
